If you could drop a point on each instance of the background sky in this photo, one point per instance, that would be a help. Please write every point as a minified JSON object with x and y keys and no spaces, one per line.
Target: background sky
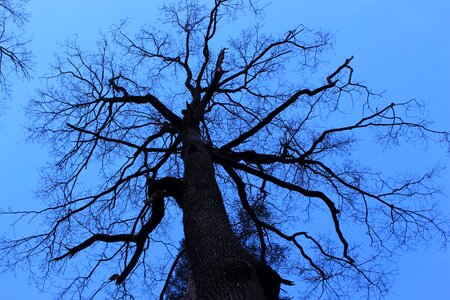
{"x":401,"y":47}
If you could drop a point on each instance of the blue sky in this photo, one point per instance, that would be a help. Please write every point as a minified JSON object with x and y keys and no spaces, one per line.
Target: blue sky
{"x":400,"y":47}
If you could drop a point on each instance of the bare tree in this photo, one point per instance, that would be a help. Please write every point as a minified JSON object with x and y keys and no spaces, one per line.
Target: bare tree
{"x":14,"y":56}
{"x":228,"y":139}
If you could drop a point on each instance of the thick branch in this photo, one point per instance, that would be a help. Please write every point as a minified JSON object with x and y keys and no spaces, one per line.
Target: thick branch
{"x":154,"y":101}
{"x":213,"y":86}
{"x":141,"y":238}
{"x":171,"y":186}
{"x":224,"y":161}
{"x":259,"y":224}
{"x":264,"y":122}
{"x":247,"y":207}
{"x":127,"y":238}
{"x":210,"y":32}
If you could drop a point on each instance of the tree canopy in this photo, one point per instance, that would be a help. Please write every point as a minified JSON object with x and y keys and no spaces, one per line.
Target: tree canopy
{"x":233,"y":139}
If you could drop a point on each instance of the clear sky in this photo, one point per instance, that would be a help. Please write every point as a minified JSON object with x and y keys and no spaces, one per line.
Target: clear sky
{"x":401,"y":47}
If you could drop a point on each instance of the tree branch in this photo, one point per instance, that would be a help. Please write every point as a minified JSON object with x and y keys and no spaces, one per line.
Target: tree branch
{"x":252,"y":131}
{"x":224,"y":161}
{"x":141,"y":238}
{"x":247,"y":207}
{"x":154,"y":101}
{"x":169,"y":275}
{"x":127,"y":238}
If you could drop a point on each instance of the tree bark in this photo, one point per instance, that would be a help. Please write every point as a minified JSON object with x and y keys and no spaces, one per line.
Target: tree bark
{"x":221,"y":267}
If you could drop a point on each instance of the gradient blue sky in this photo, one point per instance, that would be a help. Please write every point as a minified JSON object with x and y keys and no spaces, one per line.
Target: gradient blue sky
{"x":401,"y":47}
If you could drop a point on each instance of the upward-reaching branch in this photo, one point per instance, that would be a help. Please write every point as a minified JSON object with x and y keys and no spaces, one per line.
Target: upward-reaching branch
{"x":210,"y":32}
{"x":252,"y":131}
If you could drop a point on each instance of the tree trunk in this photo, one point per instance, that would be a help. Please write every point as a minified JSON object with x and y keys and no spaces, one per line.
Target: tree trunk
{"x":221,"y":267}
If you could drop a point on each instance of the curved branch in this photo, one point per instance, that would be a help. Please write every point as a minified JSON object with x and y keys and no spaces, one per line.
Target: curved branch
{"x":260,"y":224}
{"x":127,"y":238}
{"x":225,"y":161}
{"x":240,"y":185}
{"x":252,"y":131}
{"x":141,"y":238}
{"x":210,"y":32}
{"x":169,"y":275}
{"x":154,"y":101}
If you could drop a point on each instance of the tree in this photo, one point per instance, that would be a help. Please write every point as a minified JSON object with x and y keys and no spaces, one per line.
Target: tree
{"x":13,"y":53}
{"x":225,"y":132}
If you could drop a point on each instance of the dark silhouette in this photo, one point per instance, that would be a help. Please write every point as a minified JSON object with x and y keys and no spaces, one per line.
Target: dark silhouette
{"x":228,"y":140}
{"x":14,"y":56}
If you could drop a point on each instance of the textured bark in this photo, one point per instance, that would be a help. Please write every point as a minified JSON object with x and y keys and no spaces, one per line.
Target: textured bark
{"x":222,"y":268}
